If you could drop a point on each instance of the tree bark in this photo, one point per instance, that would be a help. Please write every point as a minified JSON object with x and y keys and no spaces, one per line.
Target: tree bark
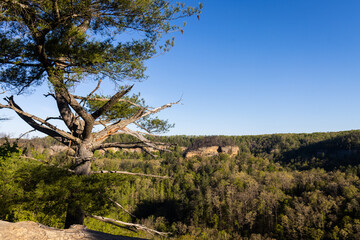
{"x":84,"y":156}
{"x":74,"y":213}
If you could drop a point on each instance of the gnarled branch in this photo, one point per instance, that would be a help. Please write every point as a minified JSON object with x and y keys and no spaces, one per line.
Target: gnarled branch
{"x":130,"y":173}
{"x":113,"y":100}
{"x":50,"y":129}
{"x":92,"y":92}
{"x":114,"y":128}
{"x":136,"y":226}
{"x":120,"y":206}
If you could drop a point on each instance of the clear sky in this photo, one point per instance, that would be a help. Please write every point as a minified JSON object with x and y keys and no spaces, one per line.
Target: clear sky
{"x":252,"y":67}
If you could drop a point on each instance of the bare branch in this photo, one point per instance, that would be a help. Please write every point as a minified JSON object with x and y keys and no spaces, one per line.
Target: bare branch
{"x":148,"y":152}
{"x":147,"y":130}
{"x":139,"y":135}
{"x":156,"y":110}
{"x":114,"y":128}
{"x":130,"y":173}
{"x":107,"y":99}
{"x":102,"y":122}
{"x":119,"y":205}
{"x":90,"y":94}
{"x":53,"y":118}
{"x":50,"y":130}
{"x":50,"y":94}
{"x":120,"y":145}
{"x":136,"y":226}
{"x":110,"y":103}
{"x":22,"y":135}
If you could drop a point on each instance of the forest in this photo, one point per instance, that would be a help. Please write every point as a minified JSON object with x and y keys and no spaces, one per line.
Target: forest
{"x":280,"y":186}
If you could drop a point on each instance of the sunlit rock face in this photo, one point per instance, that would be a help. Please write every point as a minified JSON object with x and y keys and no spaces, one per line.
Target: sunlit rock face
{"x":212,"y":151}
{"x":34,"y":231}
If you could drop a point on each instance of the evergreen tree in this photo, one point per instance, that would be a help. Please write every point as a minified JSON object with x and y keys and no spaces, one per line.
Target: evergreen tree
{"x":65,"y":42}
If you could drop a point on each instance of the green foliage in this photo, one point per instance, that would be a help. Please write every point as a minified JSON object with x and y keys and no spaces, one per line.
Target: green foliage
{"x":7,"y":149}
{"x":78,"y":39}
{"x":250,"y":196}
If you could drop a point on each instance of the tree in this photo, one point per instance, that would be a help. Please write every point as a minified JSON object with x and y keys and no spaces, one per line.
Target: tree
{"x":64,"y":43}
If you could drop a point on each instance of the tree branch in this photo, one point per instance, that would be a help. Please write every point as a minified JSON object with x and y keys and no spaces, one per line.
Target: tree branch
{"x":90,"y":94}
{"x":130,"y":173}
{"x":22,"y":135}
{"x":136,"y":226}
{"x":114,"y":128}
{"x":139,"y":136}
{"x":120,"y":145}
{"x":50,"y":130}
{"x":156,"y":110}
{"x":110,"y":103}
{"x":107,"y":99}
{"x":120,"y":206}
{"x":67,"y":99}
{"x":122,"y":124}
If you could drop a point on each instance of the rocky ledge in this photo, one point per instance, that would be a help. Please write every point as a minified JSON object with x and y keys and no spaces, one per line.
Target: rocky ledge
{"x":35,"y":231}
{"x":212,"y":151}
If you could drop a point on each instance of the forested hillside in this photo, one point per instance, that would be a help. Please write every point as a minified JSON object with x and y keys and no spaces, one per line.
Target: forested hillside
{"x":281,"y":186}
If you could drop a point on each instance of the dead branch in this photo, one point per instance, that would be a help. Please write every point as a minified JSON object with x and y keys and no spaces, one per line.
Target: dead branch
{"x":115,"y":127}
{"x":50,"y":130}
{"x":53,"y":118}
{"x":50,"y":95}
{"x":148,"y":152}
{"x":17,"y":109}
{"x":92,"y":92}
{"x":22,"y":135}
{"x":143,"y":128}
{"x":156,"y":110}
{"x":136,"y":226}
{"x":139,"y":135}
{"x":110,"y":103}
{"x":130,"y":173}
{"x":120,"y":145}
{"x":120,"y":206}
{"x":107,"y":99}
{"x":102,"y":122}
{"x":125,"y":145}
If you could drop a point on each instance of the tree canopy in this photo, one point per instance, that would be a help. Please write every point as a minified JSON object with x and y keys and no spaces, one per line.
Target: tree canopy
{"x":41,"y":39}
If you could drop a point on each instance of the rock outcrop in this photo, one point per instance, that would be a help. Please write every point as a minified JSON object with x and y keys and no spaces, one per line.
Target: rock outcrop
{"x":35,"y":231}
{"x":212,"y":151}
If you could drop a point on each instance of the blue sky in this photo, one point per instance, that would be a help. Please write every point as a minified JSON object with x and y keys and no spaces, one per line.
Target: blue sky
{"x":252,"y":67}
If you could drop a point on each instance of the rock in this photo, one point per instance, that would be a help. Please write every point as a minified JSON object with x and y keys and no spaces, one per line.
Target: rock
{"x":212,"y":151}
{"x":35,"y":231}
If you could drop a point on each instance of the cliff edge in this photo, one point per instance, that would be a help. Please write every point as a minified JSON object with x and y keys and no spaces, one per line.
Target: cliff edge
{"x":35,"y":231}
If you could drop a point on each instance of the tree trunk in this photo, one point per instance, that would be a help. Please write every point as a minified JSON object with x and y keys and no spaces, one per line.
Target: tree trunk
{"x":84,"y":157}
{"x":74,"y":213}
